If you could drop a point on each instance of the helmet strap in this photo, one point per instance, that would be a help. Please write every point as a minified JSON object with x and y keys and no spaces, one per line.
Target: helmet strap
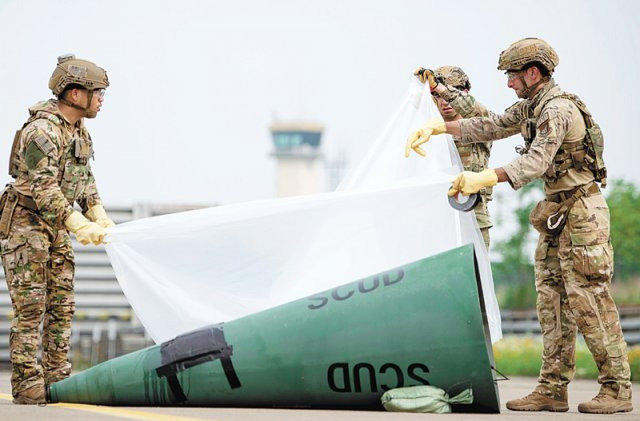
{"x":89,"y":98}
{"x":76,"y":106}
{"x":531,"y":88}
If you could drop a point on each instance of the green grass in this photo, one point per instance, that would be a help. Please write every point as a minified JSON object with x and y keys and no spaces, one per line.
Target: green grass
{"x":521,"y":356}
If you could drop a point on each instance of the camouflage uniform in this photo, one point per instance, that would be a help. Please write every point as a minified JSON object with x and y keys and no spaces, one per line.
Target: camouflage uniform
{"x":50,"y":162}
{"x":573,"y":269}
{"x":474,"y":156}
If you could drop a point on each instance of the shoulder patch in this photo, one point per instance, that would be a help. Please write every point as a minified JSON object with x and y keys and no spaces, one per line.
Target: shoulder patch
{"x":44,"y":144}
{"x":543,"y":127}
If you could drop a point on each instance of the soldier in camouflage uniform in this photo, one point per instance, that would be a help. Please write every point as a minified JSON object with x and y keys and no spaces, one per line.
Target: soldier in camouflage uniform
{"x":50,"y":163}
{"x":574,"y":261}
{"x":450,"y":91}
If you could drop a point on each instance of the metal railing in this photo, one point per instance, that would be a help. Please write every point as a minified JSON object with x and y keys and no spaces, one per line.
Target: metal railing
{"x":526,"y":322}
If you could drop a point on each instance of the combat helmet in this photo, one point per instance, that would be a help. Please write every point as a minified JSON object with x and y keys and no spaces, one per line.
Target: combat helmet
{"x":71,"y":70}
{"x":454,"y":76}
{"x":525,"y":51}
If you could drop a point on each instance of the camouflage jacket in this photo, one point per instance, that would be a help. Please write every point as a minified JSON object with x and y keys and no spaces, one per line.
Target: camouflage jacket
{"x":474,"y":156}
{"x":556,"y":121}
{"x":50,"y":163}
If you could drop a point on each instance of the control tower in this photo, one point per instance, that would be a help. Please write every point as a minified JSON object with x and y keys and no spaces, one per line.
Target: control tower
{"x":297,"y":150}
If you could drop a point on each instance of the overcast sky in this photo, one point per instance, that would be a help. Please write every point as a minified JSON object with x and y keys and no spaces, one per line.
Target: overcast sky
{"x":196,"y":84}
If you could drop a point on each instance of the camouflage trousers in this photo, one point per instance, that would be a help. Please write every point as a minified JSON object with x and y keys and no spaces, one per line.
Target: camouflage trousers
{"x":484,"y":221}
{"x":573,"y":273}
{"x":485,"y":237}
{"x":39,"y":269}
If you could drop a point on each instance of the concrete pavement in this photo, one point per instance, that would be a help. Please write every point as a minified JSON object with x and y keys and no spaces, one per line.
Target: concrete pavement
{"x":579,"y":391}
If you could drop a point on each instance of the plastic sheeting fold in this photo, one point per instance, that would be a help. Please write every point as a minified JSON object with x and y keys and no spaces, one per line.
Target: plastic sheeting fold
{"x":187,"y":270}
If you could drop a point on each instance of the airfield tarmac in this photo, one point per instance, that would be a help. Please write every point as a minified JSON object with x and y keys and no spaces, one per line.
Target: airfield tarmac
{"x":579,"y":391}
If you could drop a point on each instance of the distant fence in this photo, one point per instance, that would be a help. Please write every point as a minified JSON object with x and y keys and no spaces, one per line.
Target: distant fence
{"x":526,"y":322}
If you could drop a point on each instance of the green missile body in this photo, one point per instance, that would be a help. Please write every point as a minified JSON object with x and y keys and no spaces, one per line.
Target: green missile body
{"x":422,"y":323}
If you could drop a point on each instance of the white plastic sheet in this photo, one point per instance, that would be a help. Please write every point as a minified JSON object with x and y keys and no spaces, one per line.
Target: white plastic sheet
{"x":183,"y":271}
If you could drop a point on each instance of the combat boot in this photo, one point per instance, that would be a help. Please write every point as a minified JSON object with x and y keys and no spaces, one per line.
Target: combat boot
{"x":605,"y":404}
{"x":536,"y":401}
{"x":32,"y":396}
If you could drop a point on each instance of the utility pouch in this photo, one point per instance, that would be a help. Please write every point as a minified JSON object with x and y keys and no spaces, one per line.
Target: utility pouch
{"x":14,"y":168}
{"x":549,"y":217}
{"x":595,"y":145}
{"x":82,"y":150}
{"x":8,"y":203}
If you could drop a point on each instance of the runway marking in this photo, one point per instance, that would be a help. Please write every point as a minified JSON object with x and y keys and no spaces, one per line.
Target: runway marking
{"x":130,"y":414}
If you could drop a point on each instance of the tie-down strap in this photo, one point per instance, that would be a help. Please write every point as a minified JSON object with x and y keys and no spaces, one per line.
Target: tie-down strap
{"x":191,"y":349}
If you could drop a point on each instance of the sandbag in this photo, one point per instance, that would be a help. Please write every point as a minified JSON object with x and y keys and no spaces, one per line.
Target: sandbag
{"x":423,"y":399}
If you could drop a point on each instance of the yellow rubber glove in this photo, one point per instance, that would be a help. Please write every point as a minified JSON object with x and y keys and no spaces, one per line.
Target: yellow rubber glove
{"x":98,"y":215}
{"x":469,"y":182}
{"x":426,"y":75}
{"x":86,"y":231}
{"x":435,"y":126}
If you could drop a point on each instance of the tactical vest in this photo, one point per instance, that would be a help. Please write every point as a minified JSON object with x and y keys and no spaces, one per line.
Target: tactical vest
{"x":74,"y":172}
{"x":586,"y":152}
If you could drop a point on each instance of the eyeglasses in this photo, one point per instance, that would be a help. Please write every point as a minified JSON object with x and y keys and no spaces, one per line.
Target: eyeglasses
{"x":511,"y":74}
{"x":99,"y":92}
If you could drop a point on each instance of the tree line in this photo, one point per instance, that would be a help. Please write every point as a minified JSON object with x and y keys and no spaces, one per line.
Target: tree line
{"x":513,"y":268}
